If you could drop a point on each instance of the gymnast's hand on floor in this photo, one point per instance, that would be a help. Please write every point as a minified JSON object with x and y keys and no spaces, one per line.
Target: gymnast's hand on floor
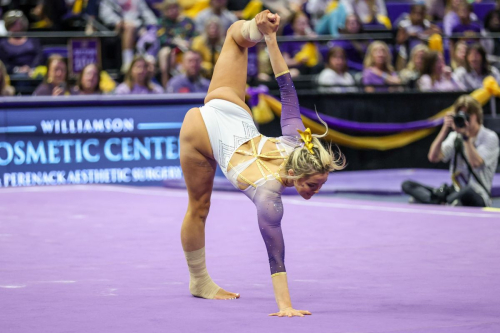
{"x":291,"y":312}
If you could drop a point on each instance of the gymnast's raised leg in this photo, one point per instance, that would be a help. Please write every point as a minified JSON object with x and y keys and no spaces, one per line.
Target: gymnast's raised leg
{"x":197,"y":161}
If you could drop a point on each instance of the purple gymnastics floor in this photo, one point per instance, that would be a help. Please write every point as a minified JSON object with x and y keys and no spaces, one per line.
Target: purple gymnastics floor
{"x":108,"y":259}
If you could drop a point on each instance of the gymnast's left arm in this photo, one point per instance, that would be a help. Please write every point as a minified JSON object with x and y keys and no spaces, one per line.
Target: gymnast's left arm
{"x":270,"y":213}
{"x":291,"y":120}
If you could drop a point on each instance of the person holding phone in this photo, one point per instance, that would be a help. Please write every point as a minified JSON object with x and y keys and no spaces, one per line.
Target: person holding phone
{"x":55,"y":82}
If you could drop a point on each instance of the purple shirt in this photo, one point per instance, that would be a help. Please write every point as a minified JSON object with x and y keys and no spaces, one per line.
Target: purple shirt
{"x":355,"y":51}
{"x":292,"y":48}
{"x":29,"y":53}
{"x":182,"y":84}
{"x":45,"y":89}
{"x":463,"y":28}
{"x":370,"y":78}
{"x":123,"y":89}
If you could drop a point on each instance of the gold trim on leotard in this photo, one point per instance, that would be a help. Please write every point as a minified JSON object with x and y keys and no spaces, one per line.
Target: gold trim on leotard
{"x":279,"y":273}
{"x":261,"y":164}
{"x":282,"y":73}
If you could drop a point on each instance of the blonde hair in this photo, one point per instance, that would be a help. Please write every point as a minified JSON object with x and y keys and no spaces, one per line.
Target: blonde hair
{"x":413,"y":54}
{"x":369,"y":61}
{"x":305,"y":164}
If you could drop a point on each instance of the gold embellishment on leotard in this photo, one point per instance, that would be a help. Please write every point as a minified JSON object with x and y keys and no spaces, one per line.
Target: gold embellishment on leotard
{"x":282,"y":73}
{"x":279,"y":273}
{"x":261,"y":164}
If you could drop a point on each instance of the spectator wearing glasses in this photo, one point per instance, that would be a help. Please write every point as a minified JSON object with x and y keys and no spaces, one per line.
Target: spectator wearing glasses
{"x":19,"y":54}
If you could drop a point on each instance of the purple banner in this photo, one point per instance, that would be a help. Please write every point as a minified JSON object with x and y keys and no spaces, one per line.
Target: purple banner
{"x":83,"y":51}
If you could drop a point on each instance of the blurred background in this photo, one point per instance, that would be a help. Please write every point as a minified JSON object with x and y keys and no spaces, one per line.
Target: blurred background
{"x":95,"y":91}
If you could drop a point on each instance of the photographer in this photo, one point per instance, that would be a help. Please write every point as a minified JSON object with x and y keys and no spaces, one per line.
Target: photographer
{"x":473,"y":152}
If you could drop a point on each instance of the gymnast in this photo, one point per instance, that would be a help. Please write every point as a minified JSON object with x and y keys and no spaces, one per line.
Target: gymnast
{"x":223,"y":132}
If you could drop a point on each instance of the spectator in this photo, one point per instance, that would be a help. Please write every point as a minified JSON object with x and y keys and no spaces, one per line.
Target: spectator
{"x":19,"y":54}
{"x":217,"y":8}
{"x":492,"y":25}
{"x":152,"y":72}
{"x":451,"y":19}
{"x":411,"y":73}
{"x":412,"y":30}
{"x":301,"y":57}
{"x":476,"y":68}
{"x":378,"y":70}
{"x":137,"y":80}
{"x":89,"y":80}
{"x":335,"y":73}
{"x":191,"y":81}
{"x":55,"y":82}
{"x":354,"y":49}
{"x":465,"y":26}
{"x":176,"y":30}
{"x":209,"y":45}
{"x":458,"y":55}
{"x":369,"y":11}
{"x":436,"y":76}
{"x":126,"y":17}
{"x":5,"y":88}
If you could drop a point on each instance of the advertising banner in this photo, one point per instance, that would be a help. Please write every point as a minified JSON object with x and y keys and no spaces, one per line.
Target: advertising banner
{"x":90,"y":145}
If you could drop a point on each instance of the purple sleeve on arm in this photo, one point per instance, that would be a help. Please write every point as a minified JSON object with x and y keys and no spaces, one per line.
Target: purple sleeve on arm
{"x":290,"y":112}
{"x":269,"y":215}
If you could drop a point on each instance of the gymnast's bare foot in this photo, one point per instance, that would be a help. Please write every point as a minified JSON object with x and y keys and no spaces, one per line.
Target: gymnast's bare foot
{"x":222,"y":294}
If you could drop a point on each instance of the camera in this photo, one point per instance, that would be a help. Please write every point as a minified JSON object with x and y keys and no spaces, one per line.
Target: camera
{"x":460,"y":119}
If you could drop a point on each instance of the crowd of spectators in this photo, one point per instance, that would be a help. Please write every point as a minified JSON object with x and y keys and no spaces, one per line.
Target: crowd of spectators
{"x":172,"y":46}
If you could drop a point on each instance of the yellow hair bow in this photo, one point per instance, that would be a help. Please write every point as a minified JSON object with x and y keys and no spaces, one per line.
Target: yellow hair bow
{"x":306,"y":136}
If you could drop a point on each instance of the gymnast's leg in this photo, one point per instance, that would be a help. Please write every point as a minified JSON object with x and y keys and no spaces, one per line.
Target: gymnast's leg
{"x":230,"y":73}
{"x":198,"y":167}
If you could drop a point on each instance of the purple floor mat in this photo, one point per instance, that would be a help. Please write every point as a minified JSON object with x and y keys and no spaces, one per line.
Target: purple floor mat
{"x":108,"y":259}
{"x":381,"y":182}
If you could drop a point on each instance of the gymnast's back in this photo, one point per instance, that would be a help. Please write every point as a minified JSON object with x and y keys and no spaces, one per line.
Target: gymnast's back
{"x":248,"y":159}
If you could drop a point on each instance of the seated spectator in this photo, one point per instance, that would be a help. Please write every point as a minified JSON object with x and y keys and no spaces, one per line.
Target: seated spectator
{"x":5,"y":88}
{"x":476,"y":68}
{"x":412,"y":31}
{"x":451,"y":18}
{"x":152,"y":71}
{"x":126,"y":17}
{"x":466,"y":26}
{"x":19,"y":54}
{"x":369,"y":11}
{"x":137,"y":80}
{"x":217,"y":8}
{"x":411,"y":73}
{"x":458,"y":55}
{"x":355,"y":49}
{"x":191,"y":81}
{"x":492,"y":25}
{"x":209,"y":45}
{"x":378,"y":72}
{"x":55,"y":82}
{"x":335,"y":73}
{"x":176,"y":31}
{"x":301,"y":57}
{"x":436,"y":76}
{"x":89,"y":80}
